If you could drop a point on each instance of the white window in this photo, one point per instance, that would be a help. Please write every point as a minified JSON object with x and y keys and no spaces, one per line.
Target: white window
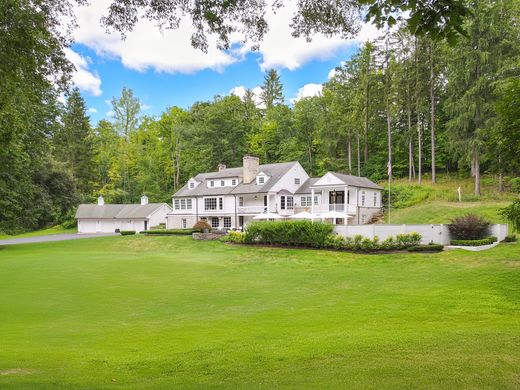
{"x":227,"y":222}
{"x":290,"y":203}
{"x":192,"y":185}
{"x":212,"y":183}
{"x":363,"y":218}
{"x":188,"y":204}
{"x":234,"y":182}
{"x":222,"y":183}
{"x":220,"y":203}
{"x":183,"y":204}
{"x":177,"y":204}
{"x":261,"y":180}
{"x":214,"y":222}
{"x":210,"y":203}
{"x":286,"y":202}
{"x":375,"y":199}
{"x":282,"y":202}
{"x":315,"y":200}
{"x":183,"y":223}
{"x":241,"y":201}
{"x":306,"y":201}
{"x":362,"y":198}
{"x":297,"y":180}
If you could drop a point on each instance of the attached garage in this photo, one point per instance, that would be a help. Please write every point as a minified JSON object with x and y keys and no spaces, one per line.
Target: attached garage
{"x":107,"y":218}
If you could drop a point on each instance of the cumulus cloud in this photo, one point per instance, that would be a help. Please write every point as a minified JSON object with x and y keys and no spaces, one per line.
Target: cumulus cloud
{"x":92,"y":110}
{"x":308,"y":90}
{"x":83,"y":78}
{"x":145,"y":107}
{"x":240,"y":91}
{"x":146,"y":47}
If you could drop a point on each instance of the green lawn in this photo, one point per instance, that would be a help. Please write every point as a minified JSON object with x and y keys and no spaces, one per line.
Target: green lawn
{"x":443,"y":212}
{"x":170,"y":312}
{"x":42,"y":232}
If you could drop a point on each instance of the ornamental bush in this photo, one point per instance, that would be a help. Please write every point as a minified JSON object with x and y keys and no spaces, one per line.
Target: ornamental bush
{"x":469,"y":227}
{"x":127,"y":232}
{"x":510,"y":238}
{"x":291,"y":233}
{"x":234,"y":237}
{"x":201,"y":226}
{"x":426,"y":248}
{"x":512,"y":214}
{"x":187,"y":232}
{"x":483,"y":241}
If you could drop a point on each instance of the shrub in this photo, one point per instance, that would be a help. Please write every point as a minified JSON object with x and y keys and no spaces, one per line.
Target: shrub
{"x":515,"y":185}
{"x":235,"y":237}
{"x":510,"y":238}
{"x":201,"y":226}
{"x":426,"y":248}
{"x":186,"y":232}
{"x":305,"y":233}
{"x":512,"y":214}
{"x":483,"y":241}
{"x":127,"y":232}
{"x":408,"y":240}
{"x":469,"y":227}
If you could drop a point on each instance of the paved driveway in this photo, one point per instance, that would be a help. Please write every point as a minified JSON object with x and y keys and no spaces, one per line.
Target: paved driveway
{"x":52,"y":237}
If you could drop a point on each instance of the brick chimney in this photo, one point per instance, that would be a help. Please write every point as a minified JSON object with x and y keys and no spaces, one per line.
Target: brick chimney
{"x":221,"y":167}
{"x":250,"y":168}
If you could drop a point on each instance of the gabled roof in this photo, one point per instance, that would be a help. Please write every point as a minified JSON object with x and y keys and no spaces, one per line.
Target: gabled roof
{"x":118,"y":211}
{"x":305,"y":188}
{"x":274,"y":171}
{"x":356,"y":181}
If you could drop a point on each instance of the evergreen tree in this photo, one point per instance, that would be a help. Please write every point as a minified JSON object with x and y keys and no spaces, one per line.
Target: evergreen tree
{"x":272,"y":90}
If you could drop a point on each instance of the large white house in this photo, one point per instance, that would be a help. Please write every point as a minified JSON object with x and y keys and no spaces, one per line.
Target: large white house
{"x":232,"y":197}
{"x":106,"y":218}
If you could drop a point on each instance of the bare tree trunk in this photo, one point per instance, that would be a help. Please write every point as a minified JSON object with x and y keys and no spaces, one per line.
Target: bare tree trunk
{"x":367,"y":105}
{"x":500,"y":175}
{"x":410,"y":160}
{"x":432,"y":109}
{"x":349,"y":150}
{"x":389,"y":135}
{"x":358,"y":155}
{"x":411,"y":169}
{"x":476,"y":163}
{"x":419,"y":141}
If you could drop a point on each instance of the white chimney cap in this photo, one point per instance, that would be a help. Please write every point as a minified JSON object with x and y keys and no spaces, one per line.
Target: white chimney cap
{"x":144,"y":200}
{"x":100,"y":201}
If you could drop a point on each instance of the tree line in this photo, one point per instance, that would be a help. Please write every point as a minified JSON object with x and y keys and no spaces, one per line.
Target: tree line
{"x":420,"y":104}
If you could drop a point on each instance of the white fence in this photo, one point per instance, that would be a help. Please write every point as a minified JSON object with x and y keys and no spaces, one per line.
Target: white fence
{"x":438,"y":234}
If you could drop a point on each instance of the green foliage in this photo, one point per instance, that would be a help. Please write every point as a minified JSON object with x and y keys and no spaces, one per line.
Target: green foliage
{"x":515,"y":185}
{"x":483,"y":241}
{"x":510,"y":238}
{"x":469,"y":227}
{"x":512,"y":214}
{"x":201,"y":226}
{"x":234,"y":237}
{"x":295,"y":233}
{"x":127,"y":232}
{"x":403,"y":196}
{"x":426,"y":248}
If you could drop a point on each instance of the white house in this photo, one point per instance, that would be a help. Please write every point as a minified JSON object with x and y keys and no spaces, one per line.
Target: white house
{"x":232,"y":197}
{"x":106,"y":218}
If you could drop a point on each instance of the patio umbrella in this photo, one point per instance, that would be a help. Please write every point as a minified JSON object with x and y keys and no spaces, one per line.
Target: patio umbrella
{"x":267,"y":216}
{"x":302,"y":215}
{"x":335,"y":214}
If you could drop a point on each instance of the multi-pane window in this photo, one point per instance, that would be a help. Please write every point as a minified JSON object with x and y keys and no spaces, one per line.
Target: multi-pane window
{"x":227,"y":222}
{"x":183,"y":204}
{"x":183,"y":221}
{"x":261,"y":180}
{"x":210,"y":203}
{"x":234,"y":182}
{"x":188,"y":204}
{"x":362,"y":198}
{"x":212,"y":183}
{"x":192,"y":185}
{"x":222,"y":183}
{"x":315,"y":200}
{"x":363,"y":218}
{"x":220,"y":203}
{"x":375,"y":199}
{"x":297,"y":180}
{"x":176,"y":203}
{"x":282,"y":202}
{"x":290,"y":203}
{"x":306,"y":200}
{"x":241,"y":201}
{"x":214,"y":222}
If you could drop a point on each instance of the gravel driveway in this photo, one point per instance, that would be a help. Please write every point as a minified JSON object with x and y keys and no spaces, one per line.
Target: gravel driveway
{"x":53,"y":237}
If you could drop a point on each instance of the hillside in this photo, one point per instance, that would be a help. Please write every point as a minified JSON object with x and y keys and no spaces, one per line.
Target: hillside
{"x":439,"y":203}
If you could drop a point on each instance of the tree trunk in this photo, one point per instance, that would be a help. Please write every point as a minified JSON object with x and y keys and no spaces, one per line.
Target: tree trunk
{"x":410,"y":160}
{"x":349,"y":151}
{"x":500,"y":175}
{"x":367,"y":105}
{"x":389,"y":135}
{"x":358,"y":155}
{"x":432,"y":109}
{"x":476,"y":163}
{"x":419,"y":141}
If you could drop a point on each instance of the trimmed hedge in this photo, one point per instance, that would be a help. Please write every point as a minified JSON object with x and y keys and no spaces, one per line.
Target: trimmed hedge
{"x":363,"y":244}
{"x":426,"y":248}
{"x":510,"y":238}
{"x":127,"y":232}
{"x":484,"y":241}
{"x":181,"y":232}
{"x":234,"y":237}
{"x":290,"y":233}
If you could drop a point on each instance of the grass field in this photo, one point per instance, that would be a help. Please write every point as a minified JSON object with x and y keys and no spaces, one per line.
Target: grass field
{"x":43,"y":232}
{"x":170,"y":312}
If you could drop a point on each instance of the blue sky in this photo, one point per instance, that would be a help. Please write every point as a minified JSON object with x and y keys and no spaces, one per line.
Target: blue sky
{"x":164,"y":70}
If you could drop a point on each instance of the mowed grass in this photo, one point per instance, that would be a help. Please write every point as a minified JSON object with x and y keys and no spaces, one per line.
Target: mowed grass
{"x":43,"y":232}
{"x":170,"y":312}
{"x":443,"y":212}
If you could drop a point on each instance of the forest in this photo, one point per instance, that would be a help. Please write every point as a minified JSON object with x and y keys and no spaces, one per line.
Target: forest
{"x":422,"y":105}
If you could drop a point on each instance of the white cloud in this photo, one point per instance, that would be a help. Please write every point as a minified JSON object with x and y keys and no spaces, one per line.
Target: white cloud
{"x":146,"y":47}
{"x":110,"y":113}
{"x":308,"y":90}
{"x":83,"y":78}
{"x":240,"y":91}
{"x":145,"y":107}
{"x":93,"y":110}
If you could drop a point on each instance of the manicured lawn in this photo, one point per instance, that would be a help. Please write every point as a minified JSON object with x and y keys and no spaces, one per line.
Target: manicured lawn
{"x":169,"y":312}
{"x":443,"y":212}
{"x":42,"y":232}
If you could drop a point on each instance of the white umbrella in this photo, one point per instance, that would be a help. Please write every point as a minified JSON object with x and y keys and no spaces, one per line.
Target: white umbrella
{"x":302,"y":215}
{"x":335,"y":214}
{"x":268,"y":216}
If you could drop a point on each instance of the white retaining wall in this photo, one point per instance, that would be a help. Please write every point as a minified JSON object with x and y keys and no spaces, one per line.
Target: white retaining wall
{"x":438,"y":234}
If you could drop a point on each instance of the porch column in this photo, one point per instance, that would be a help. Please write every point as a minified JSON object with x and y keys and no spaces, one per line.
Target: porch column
{"x":312,"y":204}
{"x":345,"y":202}
{"x":268,"y":196}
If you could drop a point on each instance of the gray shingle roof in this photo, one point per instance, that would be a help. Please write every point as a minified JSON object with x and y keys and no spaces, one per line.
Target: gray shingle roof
{"x":117,"y":211}
{"x":305,"y":188}
{"x":274,"y":171}
{"x":357,"y":181}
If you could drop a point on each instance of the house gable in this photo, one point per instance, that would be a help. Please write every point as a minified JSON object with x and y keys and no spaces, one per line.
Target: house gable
{"x":329,"y":179}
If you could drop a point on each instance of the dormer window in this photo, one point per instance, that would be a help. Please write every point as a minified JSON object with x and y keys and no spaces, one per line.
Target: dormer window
{"x":192,"y":185}
{"x":261,"y":180}
{"x":212,"y":183}
{"x":234,"y":182}
{"x":222,"y":183}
